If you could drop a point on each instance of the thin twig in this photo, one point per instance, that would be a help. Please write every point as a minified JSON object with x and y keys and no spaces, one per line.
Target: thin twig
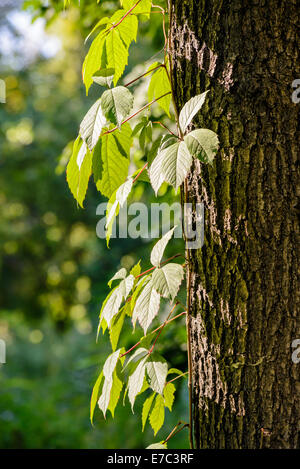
{"x":165,"y":127}
{"x":136,"y":113}
{"x":152,"y":268}
{"x":139,"y":173}
{"x":152,"y":332}
{"x":125,"y":16}
{"x":177,"y":377}
{"x":144,"y":74}
{"x":175,"y":431}
{"x":161,"y":329}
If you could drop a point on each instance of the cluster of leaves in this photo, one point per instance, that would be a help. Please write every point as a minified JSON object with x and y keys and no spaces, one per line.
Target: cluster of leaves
{"x":145,"y":368}
{"x":103,"y":148}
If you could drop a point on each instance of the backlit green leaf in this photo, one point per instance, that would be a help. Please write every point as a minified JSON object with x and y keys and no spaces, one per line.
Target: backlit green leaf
{"x":146,"y":409}
{"x":95,"y":394}
{"x":157,"y":415}
{"x":160,"y":85}
{"x":110,"y":161}
{"x":78,"y":179}
{"x":169,"y":392}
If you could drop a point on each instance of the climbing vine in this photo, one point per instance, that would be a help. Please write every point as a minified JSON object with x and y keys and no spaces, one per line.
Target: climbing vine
{"x":102,"y":149}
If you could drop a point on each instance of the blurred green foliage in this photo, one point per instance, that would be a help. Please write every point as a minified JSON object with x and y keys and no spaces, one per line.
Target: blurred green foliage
{"x":54,"y":270}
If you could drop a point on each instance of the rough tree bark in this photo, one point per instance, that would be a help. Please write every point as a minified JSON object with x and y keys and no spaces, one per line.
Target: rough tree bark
{"x":244,"y":292}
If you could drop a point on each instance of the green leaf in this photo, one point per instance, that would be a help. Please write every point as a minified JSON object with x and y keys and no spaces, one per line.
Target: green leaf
{"x":176,"y":163}
{"x":110,"y":48}
{"x":160,"y":85}
{"x":159,"y":248}
{"x":146,"y":409}
{"x":146,"y":307}
{"x":155,"y":172}
{"x":94,"y":397}
{"x":136,"y":380}
{"x":157,"y":370}
{"x":101,"y":22}
{"x":104,"y":77}
{"x":117,"y":104}
{"x":136,"y":269}
{"x":110,"y":160}
{"x":143,"y":7}
{"x":174,"y":371}
{"x":121,"y":274}
{"x":117,"y":385}
{"x":127,"y":28}
{"x":167,"y":280}
{"x":190,"y":109}
{"x":169,"y":392}
{"x":116,"y":53}
{"x":157,"y":415}
{"x":78,"y":179}
{"x":157,"y":446}
{"x":93,"y":60}
{"x":92,"y":124}
{"x":202,"y":143}
{"x":115,"y":329}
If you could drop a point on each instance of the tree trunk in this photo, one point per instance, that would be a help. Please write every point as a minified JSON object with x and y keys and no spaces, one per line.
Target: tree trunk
{"x":243,"y":282}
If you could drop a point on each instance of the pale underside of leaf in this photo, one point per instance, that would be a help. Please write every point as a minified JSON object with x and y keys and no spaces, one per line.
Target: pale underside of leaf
{"x":176,"y":164}
{"x":202,"y":143}
{"x":136,"y":380}
{"x":92,"y":124}
{"x":159,"y":248}
{"x":146,"y":307}
{"x":117,"y":104}
{"x":167,"y":280}
{"x":157,"y":370}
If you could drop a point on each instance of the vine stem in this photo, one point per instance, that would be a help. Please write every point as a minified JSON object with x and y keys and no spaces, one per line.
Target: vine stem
{"x":177,"y":377}
{"x":153,"y":332}
{"x":152,"y":268}
{"x":139,"y":173}
{"x":125,"y":16}
{"x":162,"y":328}
{"x":176,"y":430}
{"x":143,"y":75}
{"x":165,"y":127}
{"x":136,"y":113}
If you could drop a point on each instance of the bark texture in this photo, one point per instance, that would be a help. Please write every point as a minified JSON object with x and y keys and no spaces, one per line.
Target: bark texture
{"x":244,"y":285}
